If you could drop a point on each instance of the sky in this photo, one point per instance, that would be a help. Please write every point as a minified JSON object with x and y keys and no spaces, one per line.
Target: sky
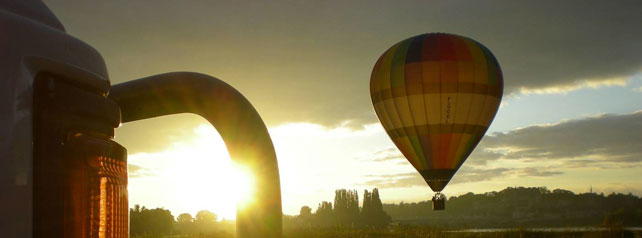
{"x":571,"y":116}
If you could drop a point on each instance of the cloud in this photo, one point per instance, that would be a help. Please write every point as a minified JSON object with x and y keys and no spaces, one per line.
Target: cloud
{"x":535,"y":172}
{"x":466,"y":174}
{"x":396,"y":180}
{"x":390,"y":153}
{"x":602,"y":138}
{"x":481,"y":156}
{"x":311,"y":60}
{"x":606,"y":141}
{"x":579,"y":84}
{"x":135,"y":171}
{"x":471,"y":174}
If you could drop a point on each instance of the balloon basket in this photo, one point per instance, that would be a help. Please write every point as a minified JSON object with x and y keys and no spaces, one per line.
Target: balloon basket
{"x":438,"y":202}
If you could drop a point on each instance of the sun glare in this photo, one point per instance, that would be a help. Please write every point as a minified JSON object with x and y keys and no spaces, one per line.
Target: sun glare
{"x":243,"y":189}
{"x":196,"y":174}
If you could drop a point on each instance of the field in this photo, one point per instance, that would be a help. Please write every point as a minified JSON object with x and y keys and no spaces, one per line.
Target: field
{"x":427,"y":232}
{"x":424,"y":232}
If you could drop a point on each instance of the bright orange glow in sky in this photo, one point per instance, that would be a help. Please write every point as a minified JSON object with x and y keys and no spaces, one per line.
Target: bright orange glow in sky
{"x":192,"y":176}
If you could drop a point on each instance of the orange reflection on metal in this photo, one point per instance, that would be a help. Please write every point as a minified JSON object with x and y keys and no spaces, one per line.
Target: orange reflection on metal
{"x":113,"y":211}
{"x":95,"y":189}
{"x":102,"y":229}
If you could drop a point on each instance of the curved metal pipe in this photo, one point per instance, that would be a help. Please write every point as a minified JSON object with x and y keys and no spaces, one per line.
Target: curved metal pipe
{"x":236,"y":120}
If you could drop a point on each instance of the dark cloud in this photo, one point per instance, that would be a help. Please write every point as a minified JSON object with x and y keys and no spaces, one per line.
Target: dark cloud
{"x":481,"y":156}
{"x":606,"y":141}
{"x":311,"y":60}
{"x":604,"y":138}
{"x":535,"y":172}
{"x":135,"y":171}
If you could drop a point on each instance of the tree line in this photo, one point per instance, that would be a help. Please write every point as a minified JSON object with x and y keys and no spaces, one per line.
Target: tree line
{"x":524,"y":207}
{"x":345,"y":213}
{"x":160,"y":221}
{"x":511,"y":207}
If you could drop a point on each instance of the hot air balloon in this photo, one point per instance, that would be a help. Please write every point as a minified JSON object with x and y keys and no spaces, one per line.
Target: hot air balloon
{"x":436,"y":94}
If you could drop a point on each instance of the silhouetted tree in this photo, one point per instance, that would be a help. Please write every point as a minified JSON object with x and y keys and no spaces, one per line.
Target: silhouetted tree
{"x":346,"y":207}
{"x":185,"y":223}
{"x":136,"y":220}
{"x":324,"y":215}
{"x":156,"y":221}
{"x":305,"y":217}
{"x":305,"y":211}
{"x":205,"y":221}
{"x":372,"y":214}
{"x":184,"y":218}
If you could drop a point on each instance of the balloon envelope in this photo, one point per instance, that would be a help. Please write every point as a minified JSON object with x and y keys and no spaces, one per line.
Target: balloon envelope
{"x":436,"y":94}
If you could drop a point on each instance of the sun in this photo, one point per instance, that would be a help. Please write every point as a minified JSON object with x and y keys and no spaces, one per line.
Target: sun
{"x":195,"y":174}
{"x":215,"y":181}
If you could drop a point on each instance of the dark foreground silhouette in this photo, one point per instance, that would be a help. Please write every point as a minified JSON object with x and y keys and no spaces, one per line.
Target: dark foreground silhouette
{"x":514,"y":208}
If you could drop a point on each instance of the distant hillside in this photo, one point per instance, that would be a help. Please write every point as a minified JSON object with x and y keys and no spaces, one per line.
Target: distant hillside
{"x":524,"y":207}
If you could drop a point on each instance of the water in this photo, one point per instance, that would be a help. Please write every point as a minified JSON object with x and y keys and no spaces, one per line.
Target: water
{"x":556,"y":229}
